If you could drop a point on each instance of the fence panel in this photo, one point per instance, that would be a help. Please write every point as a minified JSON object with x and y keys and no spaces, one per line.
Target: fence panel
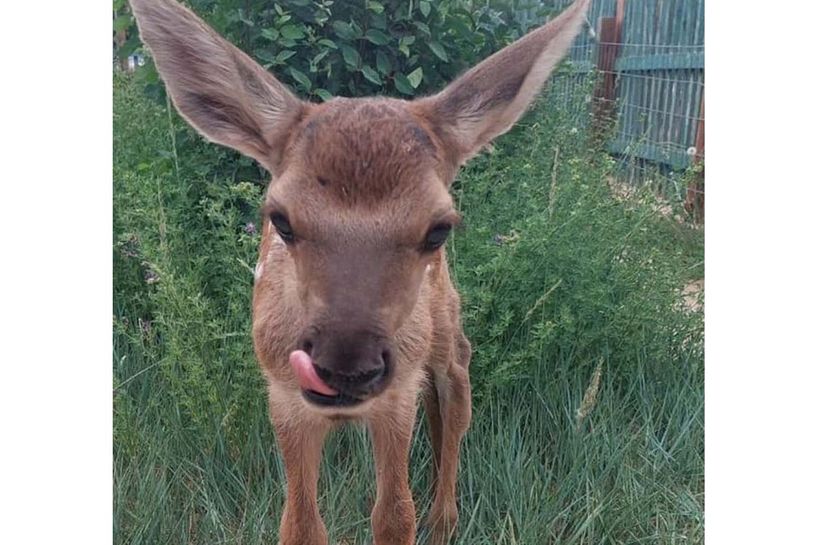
{"x":660,"y":80}
{"x":659,"y":77}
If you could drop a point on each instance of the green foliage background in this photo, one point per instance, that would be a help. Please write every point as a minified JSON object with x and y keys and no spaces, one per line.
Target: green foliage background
{"x":324,"y":48}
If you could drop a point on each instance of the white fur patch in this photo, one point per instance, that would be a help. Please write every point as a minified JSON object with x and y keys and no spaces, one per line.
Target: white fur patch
{"x":259,"y":269}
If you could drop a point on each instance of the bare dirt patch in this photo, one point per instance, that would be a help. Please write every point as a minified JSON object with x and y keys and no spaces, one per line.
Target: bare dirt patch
{"x":693,"y":295}
{"x":623,"y":191}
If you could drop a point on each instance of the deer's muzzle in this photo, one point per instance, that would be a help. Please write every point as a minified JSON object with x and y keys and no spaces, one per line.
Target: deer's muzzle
{"x":342,"y":369}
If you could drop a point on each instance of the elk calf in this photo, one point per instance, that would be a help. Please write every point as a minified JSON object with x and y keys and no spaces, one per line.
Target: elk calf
{"x":354,"y":312}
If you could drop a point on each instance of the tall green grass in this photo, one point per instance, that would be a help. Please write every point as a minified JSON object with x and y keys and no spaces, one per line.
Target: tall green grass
{"x":557,"y":277}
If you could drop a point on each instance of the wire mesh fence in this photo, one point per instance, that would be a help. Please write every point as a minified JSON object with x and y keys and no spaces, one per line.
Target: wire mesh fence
{"x":637,"y":70}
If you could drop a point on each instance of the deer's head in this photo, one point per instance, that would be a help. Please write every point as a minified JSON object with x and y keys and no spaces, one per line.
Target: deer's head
{"x":360,"y":187}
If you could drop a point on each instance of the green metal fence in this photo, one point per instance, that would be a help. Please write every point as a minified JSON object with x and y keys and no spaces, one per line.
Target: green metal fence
{"x":659,"y":81}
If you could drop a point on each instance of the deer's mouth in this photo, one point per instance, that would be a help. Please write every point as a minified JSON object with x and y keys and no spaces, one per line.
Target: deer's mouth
{"x":314,"y":389}
{"x":337,"y":400}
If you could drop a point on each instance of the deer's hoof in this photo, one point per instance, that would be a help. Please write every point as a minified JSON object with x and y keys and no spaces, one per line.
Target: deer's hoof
{"x":442,"y":523}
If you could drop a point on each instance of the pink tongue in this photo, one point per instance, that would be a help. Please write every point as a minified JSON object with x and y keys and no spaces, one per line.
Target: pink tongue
{"x":307,"y":377}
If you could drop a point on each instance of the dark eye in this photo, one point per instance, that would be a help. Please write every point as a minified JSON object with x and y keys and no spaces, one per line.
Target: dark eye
{"x":437,"y":236}
{"x":281,"y":224}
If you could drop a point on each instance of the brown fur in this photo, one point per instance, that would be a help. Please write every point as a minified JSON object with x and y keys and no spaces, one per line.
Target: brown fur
{"x":362,"y":182}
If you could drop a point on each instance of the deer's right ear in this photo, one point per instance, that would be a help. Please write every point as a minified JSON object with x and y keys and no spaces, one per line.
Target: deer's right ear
{"x":488,"y":99}
{"x":218,"y":89}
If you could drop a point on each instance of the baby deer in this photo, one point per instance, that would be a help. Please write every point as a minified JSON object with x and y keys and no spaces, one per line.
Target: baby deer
{"x":354,"y":312}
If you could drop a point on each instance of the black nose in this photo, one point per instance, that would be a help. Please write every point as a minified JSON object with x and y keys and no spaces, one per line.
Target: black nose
{"x":357,"y":364}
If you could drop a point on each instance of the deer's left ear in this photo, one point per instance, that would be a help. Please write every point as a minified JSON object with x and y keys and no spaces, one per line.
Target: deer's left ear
{"x":218,"y":89}
{"x":488,"y":99}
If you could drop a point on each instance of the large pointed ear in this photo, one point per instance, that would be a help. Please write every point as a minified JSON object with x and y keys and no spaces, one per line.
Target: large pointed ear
{"x":218,"y":89}
{"x":488,"y":99}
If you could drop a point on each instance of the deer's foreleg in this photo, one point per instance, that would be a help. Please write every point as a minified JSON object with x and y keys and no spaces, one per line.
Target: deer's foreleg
{"x":301,"y":444}
{"x":393,"y":517}
{"x":454,"y":402}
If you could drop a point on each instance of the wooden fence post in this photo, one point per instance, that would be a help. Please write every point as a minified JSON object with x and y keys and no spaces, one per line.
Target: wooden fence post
{"x":604,"y":97}
{"x":605,"y":94}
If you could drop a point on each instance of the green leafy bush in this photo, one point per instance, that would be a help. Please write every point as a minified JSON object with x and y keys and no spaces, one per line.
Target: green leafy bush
{"x":323,"y":48}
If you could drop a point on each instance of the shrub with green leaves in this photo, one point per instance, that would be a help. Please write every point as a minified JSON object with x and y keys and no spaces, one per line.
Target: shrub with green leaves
{"x":323,"y":48}
{"x":557,"y":273}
